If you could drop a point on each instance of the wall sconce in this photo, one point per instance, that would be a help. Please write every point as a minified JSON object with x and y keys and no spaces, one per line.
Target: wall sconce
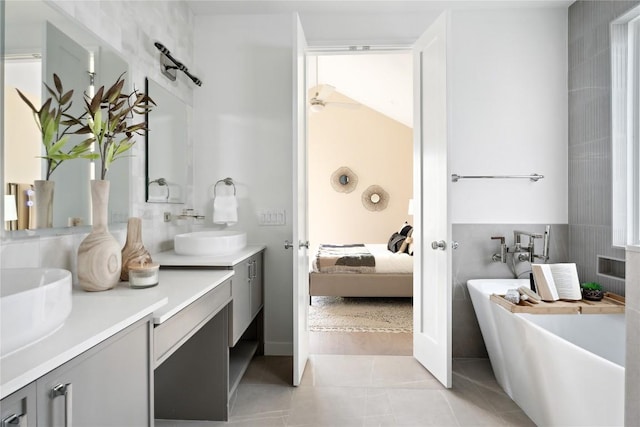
{"x":169,"y":66}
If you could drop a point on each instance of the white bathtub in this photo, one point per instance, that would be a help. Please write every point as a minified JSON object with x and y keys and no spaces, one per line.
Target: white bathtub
{"x":561,"y":369}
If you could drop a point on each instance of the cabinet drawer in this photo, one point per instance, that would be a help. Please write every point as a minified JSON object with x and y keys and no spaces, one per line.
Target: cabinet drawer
{"x":171,"y":334}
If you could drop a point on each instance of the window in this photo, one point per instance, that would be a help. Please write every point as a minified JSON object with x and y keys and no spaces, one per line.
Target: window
{"x":625,"y":128}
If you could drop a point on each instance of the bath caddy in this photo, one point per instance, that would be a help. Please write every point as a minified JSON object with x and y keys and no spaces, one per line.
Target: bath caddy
{"x":611,"y":303}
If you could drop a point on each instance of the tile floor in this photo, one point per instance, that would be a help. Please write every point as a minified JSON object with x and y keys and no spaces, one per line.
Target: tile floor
{"x":367,"y":390}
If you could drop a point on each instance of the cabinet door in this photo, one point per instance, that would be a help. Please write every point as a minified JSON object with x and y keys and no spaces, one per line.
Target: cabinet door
{"x":108,"y":385}
{"x":256,"y":284}
{"x":241,"y":305}
{"x":19,"y":408}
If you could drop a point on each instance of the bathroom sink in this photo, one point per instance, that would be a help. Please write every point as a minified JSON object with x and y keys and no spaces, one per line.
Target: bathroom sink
{"x":210,"y":243}
{"x":34,"y":303}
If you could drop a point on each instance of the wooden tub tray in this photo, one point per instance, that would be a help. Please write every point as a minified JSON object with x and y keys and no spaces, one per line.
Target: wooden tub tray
{"x":610,"y":304}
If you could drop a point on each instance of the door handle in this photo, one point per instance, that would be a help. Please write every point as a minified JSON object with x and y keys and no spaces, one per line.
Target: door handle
{"x":288,"y":244}
{"x":15,"y":420}
{"x":304,"y":244}
{"x":439,"y":245}
{"x":64,"y":390}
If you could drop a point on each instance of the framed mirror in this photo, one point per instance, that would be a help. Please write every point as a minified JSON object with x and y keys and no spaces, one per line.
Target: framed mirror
{"x":39,"y":41}
{"x":166,"y":147}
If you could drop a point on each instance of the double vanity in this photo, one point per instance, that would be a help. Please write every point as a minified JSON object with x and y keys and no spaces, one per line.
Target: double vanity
{"x":128,"y":356}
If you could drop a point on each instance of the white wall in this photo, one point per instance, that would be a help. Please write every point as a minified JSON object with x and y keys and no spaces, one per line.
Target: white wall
{"x":508,"y":100}
{"x":243,"y":130}
{"x":509,"y":115}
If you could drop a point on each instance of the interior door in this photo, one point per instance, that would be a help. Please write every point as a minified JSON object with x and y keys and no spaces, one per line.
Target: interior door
{"x":66,"y":58}
{"x":300,"y":226}
{"x":432,"y":233}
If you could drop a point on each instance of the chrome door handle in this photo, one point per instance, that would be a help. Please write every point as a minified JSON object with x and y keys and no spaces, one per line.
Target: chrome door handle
{"x":440,"y":244}
{"x":288,"y":244}
{"x":15,"y":420}
{"x":454,"y":245}
{"x":304,"y":244}
{"x":66,"y":391}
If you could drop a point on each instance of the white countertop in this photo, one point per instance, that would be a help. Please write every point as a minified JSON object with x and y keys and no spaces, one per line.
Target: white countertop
{"x":96,"y":316}
{"x":172,"y":259}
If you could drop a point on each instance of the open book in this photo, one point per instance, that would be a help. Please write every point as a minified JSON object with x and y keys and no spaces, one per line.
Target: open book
{"x":556,"y":281}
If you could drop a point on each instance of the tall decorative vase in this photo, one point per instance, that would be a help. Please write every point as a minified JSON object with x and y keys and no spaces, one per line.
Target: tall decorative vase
{"x":44,"y":203}
{"x":99,"y":257}
{"x":133,"y":249}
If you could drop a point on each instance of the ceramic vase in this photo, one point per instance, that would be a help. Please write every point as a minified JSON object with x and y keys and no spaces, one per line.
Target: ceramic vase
{"x":44,"y":203}
{"x":133,"y":249}
{"x":99,"y":256}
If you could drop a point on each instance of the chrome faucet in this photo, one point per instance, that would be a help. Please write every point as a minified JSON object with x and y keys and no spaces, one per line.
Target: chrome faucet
{"x":523,"y":253}
{"x":528,"y":253}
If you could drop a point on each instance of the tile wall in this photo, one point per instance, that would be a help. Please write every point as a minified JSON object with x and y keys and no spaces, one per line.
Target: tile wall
{"x":590,"y":137}
{"x":472,"y":260}
{"x":121,"y":25}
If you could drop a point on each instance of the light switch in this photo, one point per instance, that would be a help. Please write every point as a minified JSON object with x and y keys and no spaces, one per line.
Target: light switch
{"x":272,"y":217}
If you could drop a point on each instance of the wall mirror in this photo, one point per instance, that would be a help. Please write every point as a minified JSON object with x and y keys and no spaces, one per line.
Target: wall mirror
{"x":39,"y":41}
{"x":166,"y":142}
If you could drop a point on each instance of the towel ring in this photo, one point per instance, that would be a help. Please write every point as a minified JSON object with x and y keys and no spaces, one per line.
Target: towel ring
{"x":227,"y":181}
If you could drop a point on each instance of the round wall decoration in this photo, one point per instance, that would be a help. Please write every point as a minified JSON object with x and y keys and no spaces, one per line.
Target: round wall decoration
{"x":343,"y":180}
{"x":375,"y":198}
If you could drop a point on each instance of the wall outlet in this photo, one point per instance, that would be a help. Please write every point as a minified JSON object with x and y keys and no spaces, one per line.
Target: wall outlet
{"x":272,"y":217}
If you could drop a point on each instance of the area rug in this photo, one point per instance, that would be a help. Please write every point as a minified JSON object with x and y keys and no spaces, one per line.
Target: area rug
{"x":340,"y":314}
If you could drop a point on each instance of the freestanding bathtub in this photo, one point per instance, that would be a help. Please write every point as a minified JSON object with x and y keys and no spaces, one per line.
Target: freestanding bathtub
{"x":561,"y":369}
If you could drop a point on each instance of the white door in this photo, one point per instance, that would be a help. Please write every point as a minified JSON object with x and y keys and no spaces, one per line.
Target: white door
{"x":432,"y":266}
{"x":66,"y":58}
{"x":300,"y":227}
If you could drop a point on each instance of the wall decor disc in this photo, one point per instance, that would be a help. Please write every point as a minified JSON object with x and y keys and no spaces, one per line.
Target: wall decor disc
{"x":343,"y":180}
{"x":375,"y":198}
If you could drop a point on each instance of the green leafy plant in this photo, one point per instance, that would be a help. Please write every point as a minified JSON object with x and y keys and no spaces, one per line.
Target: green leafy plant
{"x":591,"y":286}
{"x":56,"y":126}
{"x":108,"y":121}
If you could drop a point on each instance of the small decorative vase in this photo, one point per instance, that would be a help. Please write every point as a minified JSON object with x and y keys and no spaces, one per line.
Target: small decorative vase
{"x":592,"y":294}
{"x":133,"y":249}
{"x":99,"y":257}
{"x":44,"y":203}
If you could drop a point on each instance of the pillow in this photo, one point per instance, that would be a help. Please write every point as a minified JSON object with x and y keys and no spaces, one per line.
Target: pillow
{"x":395,"y":242}
{"x":401,"y":241}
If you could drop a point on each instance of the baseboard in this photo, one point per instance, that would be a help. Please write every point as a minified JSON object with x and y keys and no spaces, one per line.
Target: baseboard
{"x":273,"y":348}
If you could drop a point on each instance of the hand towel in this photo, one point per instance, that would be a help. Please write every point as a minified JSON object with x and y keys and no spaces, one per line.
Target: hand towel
{"x":225,"y":209}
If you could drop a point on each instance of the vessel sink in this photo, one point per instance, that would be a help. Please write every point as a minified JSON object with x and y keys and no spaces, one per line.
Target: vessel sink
{"x":210,"y":243}
{"x":34,"y":303}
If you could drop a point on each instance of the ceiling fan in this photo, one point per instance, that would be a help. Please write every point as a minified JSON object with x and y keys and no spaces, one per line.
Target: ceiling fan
{"x":319,"y":101}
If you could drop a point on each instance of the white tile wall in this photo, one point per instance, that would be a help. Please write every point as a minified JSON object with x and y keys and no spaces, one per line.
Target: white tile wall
{"x":130,"y":28}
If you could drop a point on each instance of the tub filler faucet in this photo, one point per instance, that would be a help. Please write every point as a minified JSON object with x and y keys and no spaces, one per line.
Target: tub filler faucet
{"x":522,"y":252}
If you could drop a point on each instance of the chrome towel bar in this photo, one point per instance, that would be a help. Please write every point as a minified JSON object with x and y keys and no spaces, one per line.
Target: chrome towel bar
{"x":533,"y":177}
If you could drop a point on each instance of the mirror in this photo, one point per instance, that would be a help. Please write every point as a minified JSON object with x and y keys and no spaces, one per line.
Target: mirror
{"x":39,"y":41}
{"x":166,"y":142}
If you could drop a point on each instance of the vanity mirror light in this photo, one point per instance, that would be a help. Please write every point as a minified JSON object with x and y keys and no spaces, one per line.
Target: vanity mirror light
{"x":166,"y":146}
{"x":40,"y":41}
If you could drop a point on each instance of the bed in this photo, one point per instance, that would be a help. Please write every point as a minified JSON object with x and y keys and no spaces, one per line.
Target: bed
{"x":361,"y":270}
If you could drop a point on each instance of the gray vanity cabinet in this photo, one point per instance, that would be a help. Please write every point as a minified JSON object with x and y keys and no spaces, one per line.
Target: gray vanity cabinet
{"x":246,"y":290}
{"x":108,"y":385}
{"x":19,"y":408}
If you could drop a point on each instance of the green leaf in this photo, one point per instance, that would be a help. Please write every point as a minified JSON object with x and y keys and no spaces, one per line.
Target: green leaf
{"x":108,"y":157}
{"x":48,"y":131}
{"x":58,"y":145}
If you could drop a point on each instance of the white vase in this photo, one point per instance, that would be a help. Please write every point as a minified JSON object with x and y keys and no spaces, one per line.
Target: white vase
{"x":99,"y":255}
{"x":44,"y":203}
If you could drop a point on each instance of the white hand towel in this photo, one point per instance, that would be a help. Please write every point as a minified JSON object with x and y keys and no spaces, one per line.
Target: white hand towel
{"x":225,"y":210}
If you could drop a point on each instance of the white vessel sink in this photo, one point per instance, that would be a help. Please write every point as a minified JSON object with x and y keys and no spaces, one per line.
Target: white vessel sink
{"x":210,"y":243}
{"x":34,"y":303}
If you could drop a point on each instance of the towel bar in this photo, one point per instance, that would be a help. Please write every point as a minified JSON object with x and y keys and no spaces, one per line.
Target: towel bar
{"x":227,"y":181}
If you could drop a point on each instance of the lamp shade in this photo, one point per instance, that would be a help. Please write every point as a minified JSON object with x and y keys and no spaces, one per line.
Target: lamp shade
{"x":10,"y":211}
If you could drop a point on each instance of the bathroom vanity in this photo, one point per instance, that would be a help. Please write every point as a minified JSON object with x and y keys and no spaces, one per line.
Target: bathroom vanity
{"x":104,"y":344}
{"x":241,"y":333}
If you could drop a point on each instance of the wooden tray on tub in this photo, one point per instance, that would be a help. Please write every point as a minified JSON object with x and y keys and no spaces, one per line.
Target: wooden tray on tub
{"x":610,"y":304}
